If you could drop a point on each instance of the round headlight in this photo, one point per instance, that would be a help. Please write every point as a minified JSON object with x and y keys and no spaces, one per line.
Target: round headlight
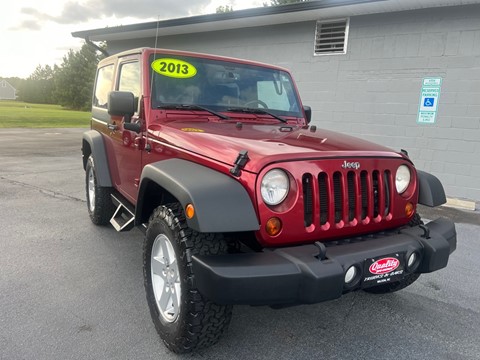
{"x":275,"y":187}
{"x":402,"y":178}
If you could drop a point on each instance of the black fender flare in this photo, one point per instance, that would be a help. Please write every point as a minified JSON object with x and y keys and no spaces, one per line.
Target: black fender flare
{"x":94,"y":140}
{"x":431,"y":192}
{"x":221,"y":203}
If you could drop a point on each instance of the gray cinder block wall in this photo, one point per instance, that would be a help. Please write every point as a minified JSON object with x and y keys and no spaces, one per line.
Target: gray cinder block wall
{"x":373,"y":91}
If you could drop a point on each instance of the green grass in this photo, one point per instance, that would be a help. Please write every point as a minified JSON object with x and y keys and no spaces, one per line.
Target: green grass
{"x":15,"y":114}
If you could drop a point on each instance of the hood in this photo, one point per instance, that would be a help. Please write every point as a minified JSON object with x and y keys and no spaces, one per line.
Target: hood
{"x":265,"y":143}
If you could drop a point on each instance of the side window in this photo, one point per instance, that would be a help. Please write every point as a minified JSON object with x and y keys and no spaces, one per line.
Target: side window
{"x":130,"y":78}
{"x":103,"y":86}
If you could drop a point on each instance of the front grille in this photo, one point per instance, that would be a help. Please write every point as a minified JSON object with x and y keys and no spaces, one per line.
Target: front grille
{"x":308,"y":199}
{"x":349,"y":197}
{"x":324,"y":199}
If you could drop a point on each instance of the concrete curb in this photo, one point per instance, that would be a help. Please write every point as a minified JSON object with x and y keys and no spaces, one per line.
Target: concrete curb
{"x":460,"y":204}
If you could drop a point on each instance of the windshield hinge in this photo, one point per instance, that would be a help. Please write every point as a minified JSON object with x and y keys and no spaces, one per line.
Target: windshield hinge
{"x":239,"y":163}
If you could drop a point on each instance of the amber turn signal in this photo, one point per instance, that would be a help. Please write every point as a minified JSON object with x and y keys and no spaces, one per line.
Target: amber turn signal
{"x":273,"y":226}
{"x":189,"y":211}
{"x":409,"y":209}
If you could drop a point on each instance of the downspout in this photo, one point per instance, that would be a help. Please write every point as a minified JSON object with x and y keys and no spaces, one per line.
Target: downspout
{"x":96,"y":47}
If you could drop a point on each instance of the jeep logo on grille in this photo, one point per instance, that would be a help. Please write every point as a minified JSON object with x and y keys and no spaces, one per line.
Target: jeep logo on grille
{"x":351,"y":165}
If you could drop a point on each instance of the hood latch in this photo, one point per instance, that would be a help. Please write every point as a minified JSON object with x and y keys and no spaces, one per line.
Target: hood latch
{"x":239,"y":163}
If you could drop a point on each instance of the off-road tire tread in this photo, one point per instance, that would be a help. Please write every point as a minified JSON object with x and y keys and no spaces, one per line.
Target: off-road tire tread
{"x":104,"y":207}
{"x":206,"y":321}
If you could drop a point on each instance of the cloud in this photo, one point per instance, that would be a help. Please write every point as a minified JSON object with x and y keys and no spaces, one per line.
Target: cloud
{"x":152,"y":8}
{"x":34,"y":20}
{"x":82,"y":12}
{"x":27,"y":25}
{"x":74,"y":12}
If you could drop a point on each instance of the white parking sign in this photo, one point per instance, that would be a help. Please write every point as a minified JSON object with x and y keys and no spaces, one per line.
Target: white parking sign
{"x":427,"y":109}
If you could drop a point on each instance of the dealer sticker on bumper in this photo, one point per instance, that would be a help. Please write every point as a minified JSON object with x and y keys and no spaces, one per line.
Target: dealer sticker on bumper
{"x":382,"y":270}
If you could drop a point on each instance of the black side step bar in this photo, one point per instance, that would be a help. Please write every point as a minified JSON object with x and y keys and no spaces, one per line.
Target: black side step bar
{"x":124,"y":217}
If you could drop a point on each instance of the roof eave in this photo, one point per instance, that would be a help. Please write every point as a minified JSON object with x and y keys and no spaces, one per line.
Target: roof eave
{"x":230,"y":20}
{"x":263,"y":16}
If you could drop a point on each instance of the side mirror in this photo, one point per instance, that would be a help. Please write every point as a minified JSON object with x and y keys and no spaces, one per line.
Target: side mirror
{"x":121,"y":103}
{"x":308,"y":113}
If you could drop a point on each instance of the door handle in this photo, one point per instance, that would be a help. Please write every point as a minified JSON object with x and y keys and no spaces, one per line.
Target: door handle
{"x":112,"y":127}
{"x":139,"y":143}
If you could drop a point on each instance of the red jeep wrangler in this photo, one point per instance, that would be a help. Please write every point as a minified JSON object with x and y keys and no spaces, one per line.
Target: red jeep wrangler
{"x":241,"y":200}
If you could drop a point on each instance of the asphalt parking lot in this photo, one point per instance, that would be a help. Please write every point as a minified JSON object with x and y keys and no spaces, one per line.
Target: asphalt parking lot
{"x":72,"y":290}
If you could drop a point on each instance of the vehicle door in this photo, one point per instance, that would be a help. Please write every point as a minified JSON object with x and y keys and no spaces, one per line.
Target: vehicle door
{"x":127,"y":150}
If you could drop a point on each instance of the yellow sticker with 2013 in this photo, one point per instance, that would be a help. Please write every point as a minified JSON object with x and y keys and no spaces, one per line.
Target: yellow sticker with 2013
{"x":174,"y":68}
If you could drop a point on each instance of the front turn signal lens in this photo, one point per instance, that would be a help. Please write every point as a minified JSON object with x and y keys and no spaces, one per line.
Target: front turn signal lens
{"x":409,"y":209}
{"x":189,"y":211}
{"x":273,"y":226}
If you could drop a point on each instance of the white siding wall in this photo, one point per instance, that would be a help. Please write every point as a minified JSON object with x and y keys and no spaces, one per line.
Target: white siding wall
{"x":7,"y":91}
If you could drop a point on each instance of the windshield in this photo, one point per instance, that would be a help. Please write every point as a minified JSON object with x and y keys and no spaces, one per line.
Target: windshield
{"x":221,"y":85}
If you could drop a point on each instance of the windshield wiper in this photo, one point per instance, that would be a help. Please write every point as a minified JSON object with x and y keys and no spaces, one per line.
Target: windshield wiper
{"x":257,"y":111}
{"x":192,"y":107}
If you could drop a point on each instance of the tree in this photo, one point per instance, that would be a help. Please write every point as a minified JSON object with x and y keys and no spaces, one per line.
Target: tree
{"x":283,"y":2}
{"x":69,"y":84}
{"x":39,"y":87}
{"x":224,"y":9}
{"x":74,"y":78}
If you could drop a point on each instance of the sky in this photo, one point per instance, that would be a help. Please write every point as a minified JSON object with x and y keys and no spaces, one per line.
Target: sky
{"x":37,"y":32}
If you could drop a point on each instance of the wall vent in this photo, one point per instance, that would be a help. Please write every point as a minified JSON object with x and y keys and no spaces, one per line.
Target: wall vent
{"x":331,"y":37}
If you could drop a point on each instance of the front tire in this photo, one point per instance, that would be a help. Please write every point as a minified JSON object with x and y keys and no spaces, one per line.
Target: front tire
{"x":99,"y":203}
{"x":184,"y":318}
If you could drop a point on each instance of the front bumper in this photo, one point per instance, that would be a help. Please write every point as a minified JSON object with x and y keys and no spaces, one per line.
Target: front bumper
{"x":296,"y":275}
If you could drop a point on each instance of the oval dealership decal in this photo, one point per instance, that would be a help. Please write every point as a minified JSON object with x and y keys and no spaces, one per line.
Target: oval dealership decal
{"x":174,"y":68}
{"x":384,"y":266}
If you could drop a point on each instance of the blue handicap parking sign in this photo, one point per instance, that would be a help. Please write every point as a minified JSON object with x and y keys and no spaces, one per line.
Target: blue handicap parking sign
{"x":429,"y":102}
